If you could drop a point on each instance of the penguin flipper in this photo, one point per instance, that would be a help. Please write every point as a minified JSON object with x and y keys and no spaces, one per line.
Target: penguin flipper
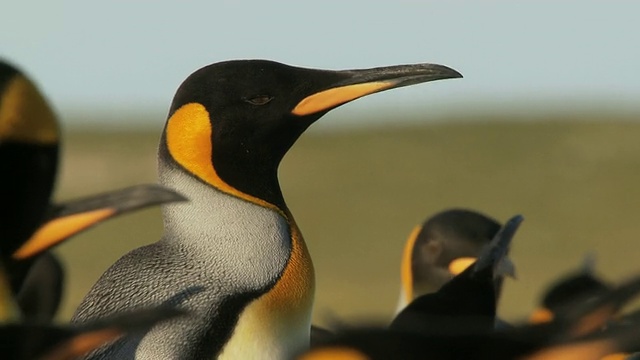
{"x":40,"y":295}
{"x":36,"y":340}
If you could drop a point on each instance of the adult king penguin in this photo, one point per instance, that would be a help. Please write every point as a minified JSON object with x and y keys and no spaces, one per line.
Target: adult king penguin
{"x":234,"y":256}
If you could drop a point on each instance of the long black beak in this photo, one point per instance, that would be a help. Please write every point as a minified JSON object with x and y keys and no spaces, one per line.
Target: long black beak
{"x":496,"y":253}
{"x":353,"y":84}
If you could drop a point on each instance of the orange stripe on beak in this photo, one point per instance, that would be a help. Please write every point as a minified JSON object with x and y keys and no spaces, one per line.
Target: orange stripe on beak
{"x":328,"y":99}
{"x":59,"y":229}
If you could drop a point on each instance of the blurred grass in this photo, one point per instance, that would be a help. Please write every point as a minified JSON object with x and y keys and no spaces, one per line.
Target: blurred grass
{"x":357,"y":195}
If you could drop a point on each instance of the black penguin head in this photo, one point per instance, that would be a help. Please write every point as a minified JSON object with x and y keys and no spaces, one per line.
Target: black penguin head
{"x":443,"y":246}
{"x":231,"y":123}
{"x":28,"y":157}
{"x":472,"y":293}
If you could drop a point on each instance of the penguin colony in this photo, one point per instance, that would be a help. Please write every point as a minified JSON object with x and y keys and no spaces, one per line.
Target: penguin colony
{"x":231,"y":277}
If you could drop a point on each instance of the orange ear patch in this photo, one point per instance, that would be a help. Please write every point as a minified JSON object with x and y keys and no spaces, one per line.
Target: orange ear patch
{"x":459,"y":265}
{"x":25,"y":115}
{"x":541,"y":316}
{"x":406,"y":270}
{"x":59,"y":229}
{"x":189,"y":142}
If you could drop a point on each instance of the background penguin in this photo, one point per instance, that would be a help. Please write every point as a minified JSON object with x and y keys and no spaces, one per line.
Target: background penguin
{"x":437,"y":250}
{"x":233,"y":256}
{"x":381,"y":344}
{"x":440,"y":248}
{"x":576,"y":333}
{"x":580,"y":284}
{"x":469,"y":300}
{"x":23,"y":339}
{"x":576,"y":285}
{"x":30,"y":223}
{"x":28,"y":157}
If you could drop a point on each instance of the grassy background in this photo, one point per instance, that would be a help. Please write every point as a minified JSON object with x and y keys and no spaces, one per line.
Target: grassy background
{"x":356,"y":196}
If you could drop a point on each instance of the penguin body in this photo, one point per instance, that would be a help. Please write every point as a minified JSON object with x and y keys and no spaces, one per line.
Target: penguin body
{"x":575,"y":285}
{"x":195,"y":263}
{"x":234,"y":256}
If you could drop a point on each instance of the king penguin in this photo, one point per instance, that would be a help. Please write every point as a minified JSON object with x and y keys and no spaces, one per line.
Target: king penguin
{"x":29,"y":146}
{"x":440,"y":248}
{"x":30,"y":223}
{"x":577,"y":284}
{"x":233,"y":257}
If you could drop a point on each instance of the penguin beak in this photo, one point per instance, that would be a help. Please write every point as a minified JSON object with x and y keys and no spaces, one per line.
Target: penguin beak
{"x":354,"y":84}
{"x":496,"y":253}
{"x":68,"y":219}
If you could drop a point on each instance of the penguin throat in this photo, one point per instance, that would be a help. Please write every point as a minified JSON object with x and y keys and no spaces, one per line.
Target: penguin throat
{"x":254,"y":178}
{"x":188,"y":139}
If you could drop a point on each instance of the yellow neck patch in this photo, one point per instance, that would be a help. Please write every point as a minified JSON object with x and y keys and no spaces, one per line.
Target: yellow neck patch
{"x":406,"y":271}
{"x":337,"y":96}
{"x":296,"y":286}
{"x":188,"y":136}
{"x":278,"y":323}
{"x":25,"y":115}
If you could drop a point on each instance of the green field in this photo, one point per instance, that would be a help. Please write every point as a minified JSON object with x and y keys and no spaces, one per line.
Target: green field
{"x":356,"y":196}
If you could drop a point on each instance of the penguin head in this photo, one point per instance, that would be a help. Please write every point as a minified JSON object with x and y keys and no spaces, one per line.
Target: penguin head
{"x":28,"y":157}
{"x":231,"y":123}
{"x":25,"y":115}
{"x":443,"y":246}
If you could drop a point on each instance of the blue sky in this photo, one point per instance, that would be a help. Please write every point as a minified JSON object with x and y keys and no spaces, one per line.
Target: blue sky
{"x":122,"y":56}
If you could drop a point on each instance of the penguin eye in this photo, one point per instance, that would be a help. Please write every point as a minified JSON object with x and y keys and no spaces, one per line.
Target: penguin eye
{"x":259,"y":100}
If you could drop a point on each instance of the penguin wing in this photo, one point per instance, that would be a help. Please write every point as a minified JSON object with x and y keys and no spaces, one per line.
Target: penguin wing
{"x":159,"y":274}
{"x":41,"y":292}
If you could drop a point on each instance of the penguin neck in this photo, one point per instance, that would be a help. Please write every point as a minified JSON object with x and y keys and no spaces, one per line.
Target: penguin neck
{"x":253,"y":176}
{"x":260,"y":248}
{"x":213,"y":206}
